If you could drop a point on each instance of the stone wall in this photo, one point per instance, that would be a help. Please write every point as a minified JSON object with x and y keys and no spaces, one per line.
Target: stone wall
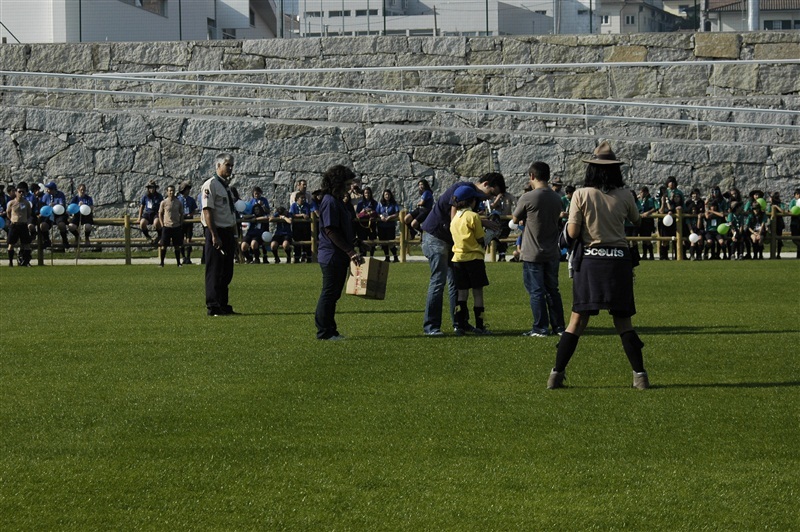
{"x":116,"y":143}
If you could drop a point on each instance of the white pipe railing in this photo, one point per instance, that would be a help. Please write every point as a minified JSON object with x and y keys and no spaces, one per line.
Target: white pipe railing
{"x":447,"y":102}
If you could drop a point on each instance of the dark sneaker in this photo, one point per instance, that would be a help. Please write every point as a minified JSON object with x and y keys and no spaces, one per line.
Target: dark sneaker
{"x":556,"y":379}
{"x":482,"y":332}
{"x":640,"y":380}
{"x":458,"y":331}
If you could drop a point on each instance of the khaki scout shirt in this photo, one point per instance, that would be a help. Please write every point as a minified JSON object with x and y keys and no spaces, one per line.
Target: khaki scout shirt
{"x":19,"y":211}
{"x":218,"y":198}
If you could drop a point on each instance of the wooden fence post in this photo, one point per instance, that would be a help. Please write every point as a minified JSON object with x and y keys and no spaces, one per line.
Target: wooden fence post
{"x":403,"y":236}
{"x":127,"y":229}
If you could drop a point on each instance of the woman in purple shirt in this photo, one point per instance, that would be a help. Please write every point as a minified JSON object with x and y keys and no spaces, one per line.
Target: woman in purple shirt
{"x":336,"y":249}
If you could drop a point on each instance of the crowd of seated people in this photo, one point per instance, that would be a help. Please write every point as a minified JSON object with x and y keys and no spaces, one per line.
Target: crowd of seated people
{"x":716,"y":225}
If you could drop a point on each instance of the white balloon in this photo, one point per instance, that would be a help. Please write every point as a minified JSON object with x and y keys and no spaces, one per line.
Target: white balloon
{"x":266,"y":236}
{"x":86,"y":210}
{"x":58,"y":210}
{"x":694,"y":238}
{"x":668,"y":220}
{"x":512,"y":225}
{"x":245,"y":226}
{"x":240,"y":205}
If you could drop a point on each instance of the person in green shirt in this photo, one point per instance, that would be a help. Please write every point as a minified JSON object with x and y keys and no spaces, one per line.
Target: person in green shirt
{"x":757,"y":224}
{"x":794,"y":224}
{"x":715,"y":242}
{"x":736,"y":220}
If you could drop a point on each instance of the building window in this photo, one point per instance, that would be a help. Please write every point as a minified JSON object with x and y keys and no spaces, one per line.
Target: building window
{"x":211,"y":29}
{"x":605,"y":20}
{"x":252,"y":19}
{"x":630,"y":20}
{"x":777,"y":24}
{"x":365,"y":12}
{"x":333,"y":14}
{"x":583,"y":11}
{"x":541,"y":12}
{"x":313,"y":14}
{"x":228,"y":34}
{"x":159,"y":7}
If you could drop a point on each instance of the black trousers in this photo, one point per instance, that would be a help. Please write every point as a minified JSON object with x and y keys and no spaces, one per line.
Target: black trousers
{"x":219,"y":268}
{"x":334,"y":277}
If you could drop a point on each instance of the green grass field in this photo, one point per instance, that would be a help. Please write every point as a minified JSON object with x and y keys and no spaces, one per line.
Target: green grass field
{"x":122,"y":406}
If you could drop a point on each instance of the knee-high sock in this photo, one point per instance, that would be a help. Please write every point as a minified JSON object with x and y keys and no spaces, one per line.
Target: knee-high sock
{"x":565,"y":349}
{"x":478,"y":317}
{"x":462,"y":314}
{"x":633,"y":345}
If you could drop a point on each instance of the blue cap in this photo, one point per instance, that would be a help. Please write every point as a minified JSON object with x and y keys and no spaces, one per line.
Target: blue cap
{"x":52,"y":185}
{"x":465,"y":192}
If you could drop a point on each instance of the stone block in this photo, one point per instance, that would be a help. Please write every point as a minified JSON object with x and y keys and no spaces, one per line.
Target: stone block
{"x":626,"y":54}
{"x":68,"y":58}
{"x":58,"y":121}
{"x":347,"y":46}
{"x":717,"y":45}
{"x":674,"y":152}
{"x":633,"y":82}
{"x":147,"y":159}
{"x":38,"y":147}
{"x":734,"y":153}
{"x":787,"y":161}
{"x":76,"y":161}
{"x":113,"y":160}
{"x":205,"y":58}
{"x":150,"y":54}
{"x":11,"y":158}
{"x":395,"y":165}
{"x":452,"y":47}
{"x":685,"y":81}
{"x":446,"y":156}
{"x":14,"y":57}
{"x":744,"y":77}
{"x":578,"y":85}
{"x":777,"y":51}
{"x":779,"y":79}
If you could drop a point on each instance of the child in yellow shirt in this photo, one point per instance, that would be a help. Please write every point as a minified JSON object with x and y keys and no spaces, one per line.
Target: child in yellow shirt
{"x":469,"y":269}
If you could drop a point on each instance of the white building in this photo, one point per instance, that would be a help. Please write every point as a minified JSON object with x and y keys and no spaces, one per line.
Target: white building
{"x":52,"y":21}
{"x":731,"y":15}
{"x":446,"y":17}
{"x":636,"y":16}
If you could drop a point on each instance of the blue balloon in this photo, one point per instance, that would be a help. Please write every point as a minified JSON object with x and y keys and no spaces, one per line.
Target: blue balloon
{"x":248,"y":209}
{"x":73,"y":208}
{"x":47,"y":210}
{"x":2,"y":222}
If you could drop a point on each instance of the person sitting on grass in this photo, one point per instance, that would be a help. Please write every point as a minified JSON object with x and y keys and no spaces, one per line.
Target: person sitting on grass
{"x":469,"y":268}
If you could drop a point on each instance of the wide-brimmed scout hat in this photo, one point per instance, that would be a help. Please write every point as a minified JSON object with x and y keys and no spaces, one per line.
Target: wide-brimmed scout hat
{"x":151,"y":184}
{"x":184,"y":185}
{"x":603,"y":154}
